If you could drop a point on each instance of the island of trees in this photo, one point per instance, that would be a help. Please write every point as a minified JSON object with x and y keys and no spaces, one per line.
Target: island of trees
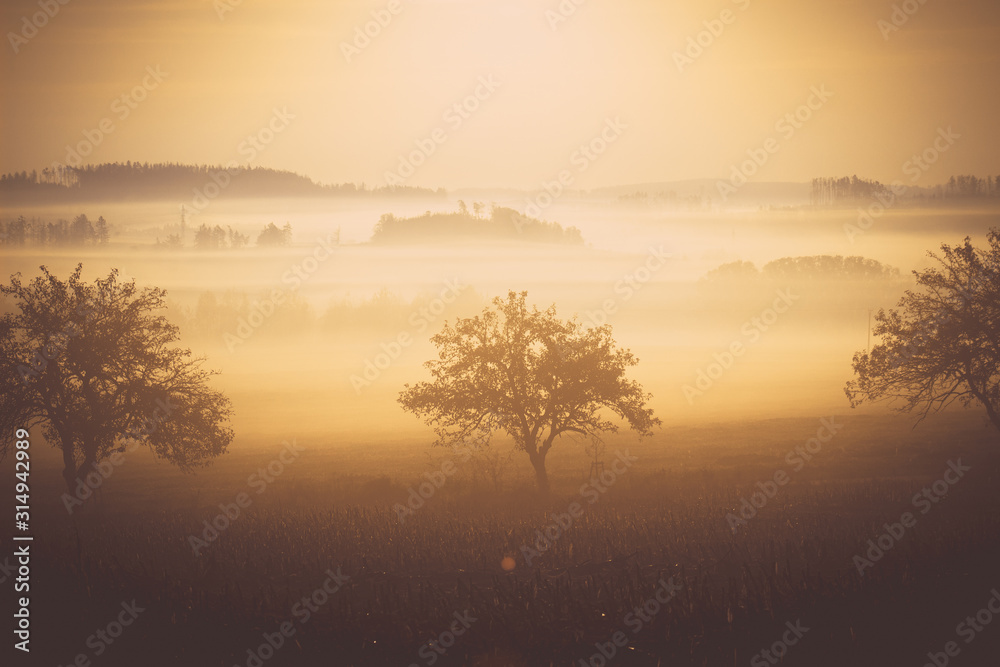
{"x":500,"y":224}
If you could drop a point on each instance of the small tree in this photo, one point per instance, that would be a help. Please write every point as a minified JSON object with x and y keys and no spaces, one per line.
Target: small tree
{"x":531,"y":375}
{"x":272,"y":235}
{"x":93,"y":366}
{"x":101,"y":231}
{"x":943,"y":344}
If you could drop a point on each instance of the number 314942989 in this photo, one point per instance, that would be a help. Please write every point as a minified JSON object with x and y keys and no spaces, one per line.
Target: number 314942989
{"x":22,"y":470}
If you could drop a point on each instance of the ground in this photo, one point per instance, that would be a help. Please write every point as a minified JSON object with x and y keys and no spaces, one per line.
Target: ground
{"x":728,"y":585}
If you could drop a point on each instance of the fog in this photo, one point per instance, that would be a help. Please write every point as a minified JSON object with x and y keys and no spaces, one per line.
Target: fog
{"x":296,"y":367}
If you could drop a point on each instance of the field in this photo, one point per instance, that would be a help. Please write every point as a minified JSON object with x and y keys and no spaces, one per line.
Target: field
{"x":500,"y":333}
{"x":661,"y":525}
{"x":765,"y":523}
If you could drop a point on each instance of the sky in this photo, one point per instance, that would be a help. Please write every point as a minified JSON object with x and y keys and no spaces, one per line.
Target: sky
{"x":604,"y":93}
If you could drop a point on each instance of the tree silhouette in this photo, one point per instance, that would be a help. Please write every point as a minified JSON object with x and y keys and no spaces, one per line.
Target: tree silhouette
{"x":943,"y":344}
{"x":529,"y":374}
{"x":272,"y":235}
{"x":93,"y":366}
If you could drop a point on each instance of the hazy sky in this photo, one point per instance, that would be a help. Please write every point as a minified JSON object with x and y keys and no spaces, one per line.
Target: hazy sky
{"x":229,"y":64}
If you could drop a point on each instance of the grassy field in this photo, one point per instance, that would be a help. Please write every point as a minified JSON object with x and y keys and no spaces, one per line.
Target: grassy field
{"x":663,"y":521}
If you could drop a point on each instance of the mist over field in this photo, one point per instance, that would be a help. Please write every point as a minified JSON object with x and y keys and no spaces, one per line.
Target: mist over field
{"x":674,"y":317}
{"x":499,"y":333}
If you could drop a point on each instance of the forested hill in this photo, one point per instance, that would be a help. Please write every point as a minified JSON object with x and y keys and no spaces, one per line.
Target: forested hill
{"x":134,"y":180}
{"x":479,"y":225}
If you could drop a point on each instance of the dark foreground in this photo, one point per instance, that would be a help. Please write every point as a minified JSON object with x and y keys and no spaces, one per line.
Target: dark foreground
{"x":652,"y":563}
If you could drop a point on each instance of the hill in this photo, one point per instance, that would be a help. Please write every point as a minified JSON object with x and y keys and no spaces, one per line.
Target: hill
{"x":503,"y":224}
{"x":134,"y":180}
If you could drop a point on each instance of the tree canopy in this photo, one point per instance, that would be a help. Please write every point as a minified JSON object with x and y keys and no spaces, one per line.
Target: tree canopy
{"x":96,"y":368}
{"x":531,"y":375}
{"x":942,"y":344}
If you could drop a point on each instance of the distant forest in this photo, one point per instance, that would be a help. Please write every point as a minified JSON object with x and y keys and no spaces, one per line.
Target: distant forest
{"x":852,"y":188}
{"x":217,"y":238}
{"x":81,"y":231}
{"x":216,"y":314}
{"x":134,"y":180}
{"x":808,"y":268}
{"x":501,"y":224}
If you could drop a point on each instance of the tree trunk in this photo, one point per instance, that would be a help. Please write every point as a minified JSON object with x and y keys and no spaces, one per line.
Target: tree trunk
{"x":991,"y":412}
{"x":541,"y":476}
{"x":73,"y":474}
{"x":69,"y":467}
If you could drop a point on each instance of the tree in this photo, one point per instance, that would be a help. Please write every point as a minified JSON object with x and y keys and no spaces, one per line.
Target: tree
{"x":96,"y":368}
{"x":272,"y":235}
{"x":943,"y":344}
{"x":205,"y":238}
{"x":81,"y":230}
{"x":236,"y":240}
{"x":101,"y":231}
{"x":529,"y":374}
{"x":17,"y":231}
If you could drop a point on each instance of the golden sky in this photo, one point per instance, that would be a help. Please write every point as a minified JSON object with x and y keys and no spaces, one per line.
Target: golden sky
{"x":555,"y":81}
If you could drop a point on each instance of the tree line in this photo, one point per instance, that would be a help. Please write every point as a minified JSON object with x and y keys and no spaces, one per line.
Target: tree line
{"x":812,"y":267}
{"x":852,"y":188}
{"x":217,"y":238}
{"x":81,"y":231}
{"x":135,"y":179}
